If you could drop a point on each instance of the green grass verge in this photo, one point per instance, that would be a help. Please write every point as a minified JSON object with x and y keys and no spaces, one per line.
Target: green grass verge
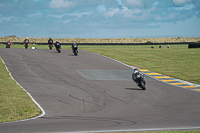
{"x":15,"y":104}
{"x":177,"y":61}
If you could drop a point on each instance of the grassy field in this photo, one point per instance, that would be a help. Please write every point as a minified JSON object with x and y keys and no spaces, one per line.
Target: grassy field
{"x":15,"y":103}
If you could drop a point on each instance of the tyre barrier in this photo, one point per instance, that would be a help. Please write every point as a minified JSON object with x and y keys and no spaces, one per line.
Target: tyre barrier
{"x":194,"y":45}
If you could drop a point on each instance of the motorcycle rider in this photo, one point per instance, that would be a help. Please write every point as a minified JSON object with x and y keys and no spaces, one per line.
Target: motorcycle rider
{"x":8,"y":44}
{"x":26,"y":41}
{"x":50,"y":43}
{"x":135,"y":73}
{"x":139,"y":78}
{"x":73,"y":46}
{"x":57,"y":43}
{"x":50,"y":40}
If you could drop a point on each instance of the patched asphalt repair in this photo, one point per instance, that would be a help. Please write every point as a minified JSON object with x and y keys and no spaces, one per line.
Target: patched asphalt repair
{"x":125,"y":75}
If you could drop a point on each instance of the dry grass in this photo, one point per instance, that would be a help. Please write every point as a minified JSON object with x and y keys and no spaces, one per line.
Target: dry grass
{"x":104,"y":40}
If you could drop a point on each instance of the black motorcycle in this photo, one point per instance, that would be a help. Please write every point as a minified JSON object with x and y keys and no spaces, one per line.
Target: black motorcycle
{"x":8,"y":44}
{"x":58,"y":47}
{"x":26,"y":46}
{"x":50,"y":44}
{"x":140,"y":80}
{"x":75,"y":49}
{"x":26,"y":43}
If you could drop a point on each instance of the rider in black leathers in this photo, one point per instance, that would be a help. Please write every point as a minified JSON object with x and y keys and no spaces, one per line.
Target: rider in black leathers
{"x":57,"y":42}
{"x":50,"y":43}
{"x":50,"y":40}
{"x":73,"y":46}
{"x":135,"y":73}
{"x":8,"y":44}
{"x":26,"y":43}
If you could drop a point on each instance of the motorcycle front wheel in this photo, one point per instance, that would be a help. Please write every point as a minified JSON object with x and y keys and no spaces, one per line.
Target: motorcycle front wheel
{"x":75,"y":52}
{"x":142,"y":85}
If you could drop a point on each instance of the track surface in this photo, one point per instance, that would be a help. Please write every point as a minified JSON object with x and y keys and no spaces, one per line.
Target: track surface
{"x":74,"y":103}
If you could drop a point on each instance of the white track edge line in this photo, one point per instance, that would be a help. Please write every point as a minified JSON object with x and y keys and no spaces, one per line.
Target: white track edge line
{"x":42,"y":110}
{"x":140,"y":130}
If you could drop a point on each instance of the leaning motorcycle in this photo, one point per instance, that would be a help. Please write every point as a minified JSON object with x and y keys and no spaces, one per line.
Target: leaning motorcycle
{"x":58,"y":47}
{"x":140,"y":80}
{"x":75,"y":49}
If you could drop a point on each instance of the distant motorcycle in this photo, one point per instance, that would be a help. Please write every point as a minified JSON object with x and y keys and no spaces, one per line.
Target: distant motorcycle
{"x":75,"y":49}
{"x":8,"y":44}
{"x":26,"y":43}
{"x":50,"y":44}
{"x":58,"y":46}
{"x":139,"y":78}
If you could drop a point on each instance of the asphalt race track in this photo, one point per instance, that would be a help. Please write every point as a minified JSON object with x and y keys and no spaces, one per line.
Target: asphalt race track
{"x":90,"y":92}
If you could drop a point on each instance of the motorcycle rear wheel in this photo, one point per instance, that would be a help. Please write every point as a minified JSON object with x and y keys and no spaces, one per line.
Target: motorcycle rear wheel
{"x":59,"y":51}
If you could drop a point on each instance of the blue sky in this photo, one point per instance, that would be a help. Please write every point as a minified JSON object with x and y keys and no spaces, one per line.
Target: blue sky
{"x":99,"y":18}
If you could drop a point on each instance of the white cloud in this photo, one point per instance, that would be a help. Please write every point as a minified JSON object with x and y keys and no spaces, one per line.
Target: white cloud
{"x":185,"y":7}
{"x":181,"y":2}
{"x":101,"y":8}
{"x":119,"y":2}
{"x":79,"y":14}
{"x":135,"y":3}
{"x":35,"y":15}
{"x":58,"y":16}
{"x":66,"y":21}
{"x":111,"y":13}
{"x":5,"y":18}
{"x":22,"y":25}
{"x":59,"y":4}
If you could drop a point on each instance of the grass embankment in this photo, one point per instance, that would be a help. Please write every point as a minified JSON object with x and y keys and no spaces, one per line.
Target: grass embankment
{"x":15,"y":103}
